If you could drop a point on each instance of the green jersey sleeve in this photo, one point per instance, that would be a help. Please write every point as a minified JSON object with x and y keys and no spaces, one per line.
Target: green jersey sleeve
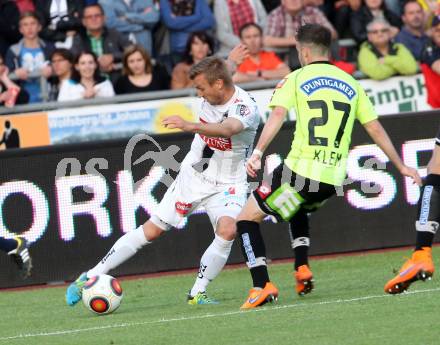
{"x":365,"y":110}
{"x":284,"y":94}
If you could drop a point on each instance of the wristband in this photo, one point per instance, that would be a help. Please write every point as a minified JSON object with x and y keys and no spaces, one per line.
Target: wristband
{"x":257,"y":152}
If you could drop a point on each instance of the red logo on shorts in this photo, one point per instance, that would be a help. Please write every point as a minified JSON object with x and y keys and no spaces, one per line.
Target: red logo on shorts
{"x":264,"y":190}
{"x":231,"y":190}
{"x":183,"y":208}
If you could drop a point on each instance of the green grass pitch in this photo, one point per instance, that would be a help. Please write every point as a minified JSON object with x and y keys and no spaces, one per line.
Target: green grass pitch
{"x":347,"y":307}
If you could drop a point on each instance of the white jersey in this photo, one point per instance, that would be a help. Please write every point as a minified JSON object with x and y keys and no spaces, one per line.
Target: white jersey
{"x":223,"y":159}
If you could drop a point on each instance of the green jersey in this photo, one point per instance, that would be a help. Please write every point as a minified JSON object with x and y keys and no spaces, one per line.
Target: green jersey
{"x":326,"y":101}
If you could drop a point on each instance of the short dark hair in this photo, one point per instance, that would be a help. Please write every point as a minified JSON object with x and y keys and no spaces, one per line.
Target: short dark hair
{"x":130,"y":50}
{"x":409,"y":2}
{"x":96,"y":4}
{"x":214,"y":68}
{"x":316,"y":35}
{"x":7,"y":124}
{"x":64,"y":53}
{"x":202,"y":36}
{"x":250,"y":25}
{"x":27,"y":14}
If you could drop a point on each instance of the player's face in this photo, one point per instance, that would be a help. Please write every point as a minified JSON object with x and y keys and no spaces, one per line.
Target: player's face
{"x":379,"y":34}
{"x":199,"y":49}
{"x":212,"y":93}
{"x":29,"y":27}
{"x":136,"y":63}
{"x":86,"y":66}
{"x":252,"y":39}
{"x":414,"y":16}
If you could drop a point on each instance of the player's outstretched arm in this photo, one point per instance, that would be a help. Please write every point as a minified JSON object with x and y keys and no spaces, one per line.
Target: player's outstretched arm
{"x":271,"y":128}
{"x":225,"y":129}
{"x":381,"y":138}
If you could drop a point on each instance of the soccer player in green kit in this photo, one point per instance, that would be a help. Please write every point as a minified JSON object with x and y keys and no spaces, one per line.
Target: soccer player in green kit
{"x":326,"y":101}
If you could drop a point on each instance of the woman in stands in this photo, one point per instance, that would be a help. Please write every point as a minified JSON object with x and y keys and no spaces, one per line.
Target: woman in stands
{"x":62,"y":61}
{"x":199,"y":46}
{"x":372,"y":9}
{"x":86,"y":82}
{"x":139,"y":75}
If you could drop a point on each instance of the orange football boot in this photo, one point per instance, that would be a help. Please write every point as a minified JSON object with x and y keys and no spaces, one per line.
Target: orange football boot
{"x":304,"y":280}
{"x":258,"y":297}
{"x":419,"y":267}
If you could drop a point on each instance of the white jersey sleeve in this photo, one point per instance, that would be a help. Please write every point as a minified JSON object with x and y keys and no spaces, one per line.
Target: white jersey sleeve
{"x":245,"y":113}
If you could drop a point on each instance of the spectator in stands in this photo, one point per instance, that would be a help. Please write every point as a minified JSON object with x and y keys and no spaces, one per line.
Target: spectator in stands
{"x":270,"y":5}
{"x":431,"y":51}
{"x":284,"y":21}
{"x":231,"y":15}
{"x":138,"y":73}
{"x":379,"y":58}
{"x":261,"y":64}
{"x":339,"y":12}
{"x":25,"y":6}
{"x":413,"y":34}
{"x":9,"y":33}
{"x":135,"y":19}
{"x":10,"y":93}
{"x":87,"y":82}
{"x":430,"y":65}
{"x":107,"y":44}
{"x":199,"y":45}
{"x":182,"y":17}
{"x":372,"y":9}
{"x":28,"y":58}
{"x":62,"y":61}
{"x":60,"y":20}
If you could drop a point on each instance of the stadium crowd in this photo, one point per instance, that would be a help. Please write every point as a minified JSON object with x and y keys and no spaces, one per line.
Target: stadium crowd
{"x":82,"y":49}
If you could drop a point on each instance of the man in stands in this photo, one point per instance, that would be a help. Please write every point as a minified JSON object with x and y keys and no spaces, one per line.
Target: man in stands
{"x":412,"y":35}
{"x":431,"y":53}
{"x":261,"y":64}
{"x":284,"y":21}
{"x":107,"y":44}
{"x":212,"y":175}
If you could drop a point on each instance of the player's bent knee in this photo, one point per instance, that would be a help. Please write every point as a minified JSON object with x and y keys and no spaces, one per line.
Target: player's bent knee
{"x":152,"y":231}
{"x":226,"y":228}
{"x":251,"y":212}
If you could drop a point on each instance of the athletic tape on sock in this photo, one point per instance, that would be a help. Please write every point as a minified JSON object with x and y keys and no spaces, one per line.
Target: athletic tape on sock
{"x":261,"y":261}
{"x":301,"y":241}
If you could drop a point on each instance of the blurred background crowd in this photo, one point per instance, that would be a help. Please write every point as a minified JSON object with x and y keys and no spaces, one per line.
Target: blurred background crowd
{"x":79,"y":49}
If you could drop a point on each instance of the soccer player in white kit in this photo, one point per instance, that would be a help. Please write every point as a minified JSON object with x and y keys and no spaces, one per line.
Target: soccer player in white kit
{"x":212,"y":175}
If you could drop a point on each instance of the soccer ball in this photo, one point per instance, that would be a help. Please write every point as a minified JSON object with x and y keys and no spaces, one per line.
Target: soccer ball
{"x":102,"y":294}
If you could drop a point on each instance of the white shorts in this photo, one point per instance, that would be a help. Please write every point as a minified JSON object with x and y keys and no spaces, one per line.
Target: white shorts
{"x":190,"y":191}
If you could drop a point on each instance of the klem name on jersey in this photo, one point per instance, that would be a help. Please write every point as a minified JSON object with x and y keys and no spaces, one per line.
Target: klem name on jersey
{"x":328,"y":158}
{"x":315,"y":84}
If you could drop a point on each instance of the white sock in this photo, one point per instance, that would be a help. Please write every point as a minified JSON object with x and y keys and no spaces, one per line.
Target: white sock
{"x":122,"y":250}
{"x":211,"y":263}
